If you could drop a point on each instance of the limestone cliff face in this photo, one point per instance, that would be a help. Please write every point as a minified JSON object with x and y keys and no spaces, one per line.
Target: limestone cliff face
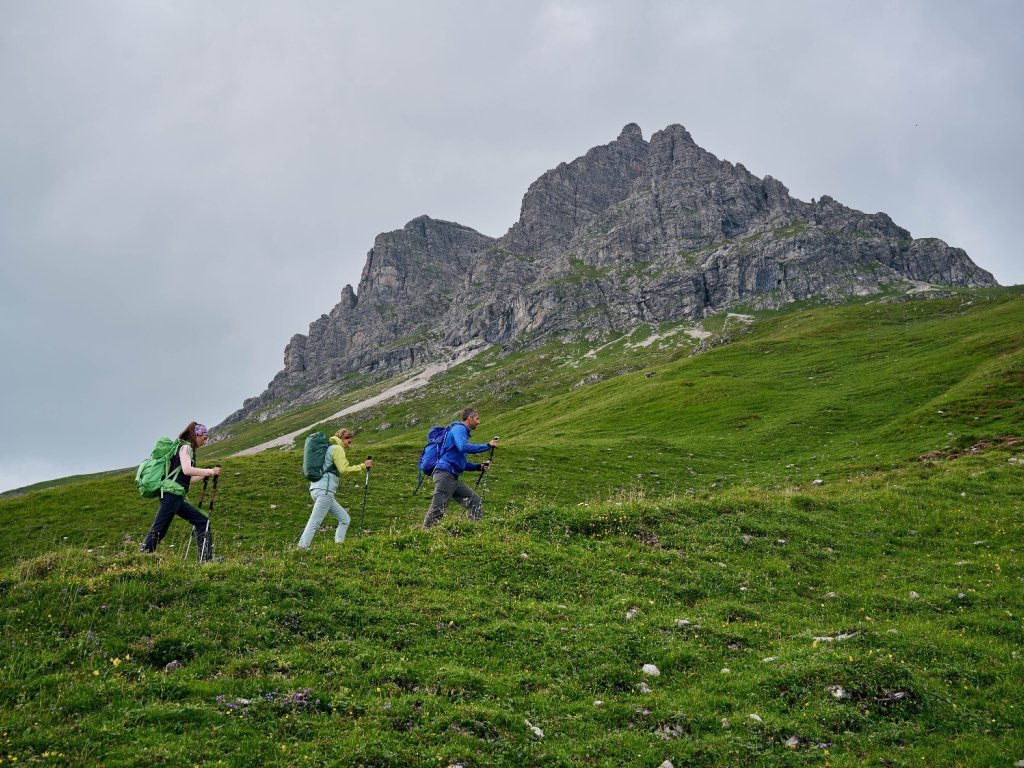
{"x":631,"y":232}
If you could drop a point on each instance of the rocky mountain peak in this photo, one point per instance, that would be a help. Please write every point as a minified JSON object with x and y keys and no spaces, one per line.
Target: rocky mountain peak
{"x":630,"y":232}
{"x":566,"y":198}
{"x":630,"y":134}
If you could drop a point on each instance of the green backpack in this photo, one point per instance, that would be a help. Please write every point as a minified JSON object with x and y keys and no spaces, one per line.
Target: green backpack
{"x":154,"y":477}
{"x":314,"y":454}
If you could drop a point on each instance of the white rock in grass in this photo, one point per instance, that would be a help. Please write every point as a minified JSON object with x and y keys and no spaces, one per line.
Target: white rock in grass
{"x":840,"y":636}
{"x":537,"y":732}
{"x":643,"y":688}
{"x":631,"y":613}
{"x":666,"y":764}
{"x":650,"y":669}
{"x":598,"y":703}
{"x":914,"y":595}
{"x":725,"y":722}
{"x":726,"y":671}
{"x":755,"y":718}
{"x":792,"y":742}
{"x":838,"y":691}
{"x":817,"y":482}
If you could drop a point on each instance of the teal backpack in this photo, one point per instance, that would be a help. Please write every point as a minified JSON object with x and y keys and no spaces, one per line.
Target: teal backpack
{"x":154,"y":477}
{"x":314,"y":452}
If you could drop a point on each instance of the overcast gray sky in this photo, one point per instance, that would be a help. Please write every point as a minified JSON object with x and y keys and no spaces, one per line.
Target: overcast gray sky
{"x":186,"y":184}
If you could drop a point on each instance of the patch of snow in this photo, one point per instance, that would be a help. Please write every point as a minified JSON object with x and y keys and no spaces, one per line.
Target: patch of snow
{"x":653,"y":338}
{"x":698,"y":333}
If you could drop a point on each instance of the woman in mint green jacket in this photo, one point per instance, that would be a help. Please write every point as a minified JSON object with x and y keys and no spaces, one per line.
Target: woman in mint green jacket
{"x":322,"y":491}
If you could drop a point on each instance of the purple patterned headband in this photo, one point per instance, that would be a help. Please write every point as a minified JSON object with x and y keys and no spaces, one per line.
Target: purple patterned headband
{"x":200,"y":430}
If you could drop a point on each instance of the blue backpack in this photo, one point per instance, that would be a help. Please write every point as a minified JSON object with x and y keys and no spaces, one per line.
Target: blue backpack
{"x":431,"y":453}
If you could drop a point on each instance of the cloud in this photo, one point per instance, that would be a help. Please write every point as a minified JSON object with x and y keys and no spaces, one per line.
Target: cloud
{"x":18,"y":474}
{"x":211,"y":175}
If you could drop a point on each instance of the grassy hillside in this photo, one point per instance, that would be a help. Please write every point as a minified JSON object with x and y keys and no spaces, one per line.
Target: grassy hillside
{"x":816,"y":523}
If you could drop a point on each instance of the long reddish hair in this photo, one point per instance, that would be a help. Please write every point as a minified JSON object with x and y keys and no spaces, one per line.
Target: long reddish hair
{"x":188,"y":434}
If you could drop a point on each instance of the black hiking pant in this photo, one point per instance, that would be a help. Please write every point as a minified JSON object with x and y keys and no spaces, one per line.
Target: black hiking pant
{"x":171,"y":505}
{"x":447,"y":487}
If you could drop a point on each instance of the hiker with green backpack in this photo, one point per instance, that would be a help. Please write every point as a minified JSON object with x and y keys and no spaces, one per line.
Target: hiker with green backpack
{"x":323,"y":463}
{"x":167,"y":474}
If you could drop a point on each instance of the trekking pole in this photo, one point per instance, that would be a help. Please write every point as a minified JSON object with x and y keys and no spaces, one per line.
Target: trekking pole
{"x":490,"y":458}
{"x":366,"y":483}
{"x":206,"y":538}
{"x":213,"y":494}
{"x":202,"y":498}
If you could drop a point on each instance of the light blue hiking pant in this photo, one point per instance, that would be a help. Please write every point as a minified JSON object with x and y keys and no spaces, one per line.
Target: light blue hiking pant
{"x":324,"y":502}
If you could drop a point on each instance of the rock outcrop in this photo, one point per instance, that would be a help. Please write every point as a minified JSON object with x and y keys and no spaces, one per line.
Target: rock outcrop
{"x":631,"y":232}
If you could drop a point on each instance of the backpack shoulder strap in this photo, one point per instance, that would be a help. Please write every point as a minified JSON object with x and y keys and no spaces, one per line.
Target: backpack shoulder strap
{"x":178,"y":445}
{"x":328,"y":465}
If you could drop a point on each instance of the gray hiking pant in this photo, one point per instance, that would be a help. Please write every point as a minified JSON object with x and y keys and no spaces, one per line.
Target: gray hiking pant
{"x":324,"y":502}
{"x":446,"y":487}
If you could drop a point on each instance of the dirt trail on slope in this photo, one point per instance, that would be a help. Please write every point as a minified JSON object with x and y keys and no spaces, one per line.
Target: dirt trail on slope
{"x":414,"y":382}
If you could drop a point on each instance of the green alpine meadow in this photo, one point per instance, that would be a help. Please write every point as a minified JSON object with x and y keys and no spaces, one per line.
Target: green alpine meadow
{"x":793,"y":542}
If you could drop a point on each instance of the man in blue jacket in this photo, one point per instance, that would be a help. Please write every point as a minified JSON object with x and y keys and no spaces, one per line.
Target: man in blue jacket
{"x":451,"y":463}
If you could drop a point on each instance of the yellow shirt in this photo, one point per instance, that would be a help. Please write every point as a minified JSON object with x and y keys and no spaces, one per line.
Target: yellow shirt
{"x":341,"y":460}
